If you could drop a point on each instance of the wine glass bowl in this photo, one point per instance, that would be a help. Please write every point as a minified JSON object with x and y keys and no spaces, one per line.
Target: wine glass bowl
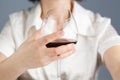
{"x":55,"y":21}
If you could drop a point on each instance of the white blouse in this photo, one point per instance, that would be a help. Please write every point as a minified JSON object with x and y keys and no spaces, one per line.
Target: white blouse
{"x":96,"y":35}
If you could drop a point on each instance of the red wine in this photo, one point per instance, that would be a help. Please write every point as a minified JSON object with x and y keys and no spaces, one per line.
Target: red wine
{"x":59,"y":42}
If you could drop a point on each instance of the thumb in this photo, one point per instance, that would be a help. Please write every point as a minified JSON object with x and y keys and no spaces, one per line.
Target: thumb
{"x":36,"y":35}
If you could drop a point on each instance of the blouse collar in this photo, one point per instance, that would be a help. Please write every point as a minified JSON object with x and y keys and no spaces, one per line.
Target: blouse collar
{"x":82,"y":18}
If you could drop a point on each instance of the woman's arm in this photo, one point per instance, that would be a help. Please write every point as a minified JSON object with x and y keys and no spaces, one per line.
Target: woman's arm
{"x":112,"y":61}
{"x":33,"y":53}
{"x":2,"y":57}
{"x":10,"y":68}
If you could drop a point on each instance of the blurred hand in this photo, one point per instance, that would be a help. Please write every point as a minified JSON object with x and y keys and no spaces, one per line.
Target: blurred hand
{"x":33,"y":52}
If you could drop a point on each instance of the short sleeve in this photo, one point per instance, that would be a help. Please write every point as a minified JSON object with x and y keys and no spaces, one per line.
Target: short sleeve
{"x":108,"y":39}
{"x":7,"y":46}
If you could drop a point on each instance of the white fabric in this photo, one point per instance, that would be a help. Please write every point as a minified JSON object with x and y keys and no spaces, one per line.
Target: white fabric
{"x":96,"y":35}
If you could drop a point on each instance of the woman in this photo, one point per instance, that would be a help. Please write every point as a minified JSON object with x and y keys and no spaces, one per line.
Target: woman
{"x":24,"y":54}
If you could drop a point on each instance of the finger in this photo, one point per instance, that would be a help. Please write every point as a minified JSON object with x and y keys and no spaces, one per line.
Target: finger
{"x":63,"y":55}
{"x":59,"y":50}
{"x":35,"y":35}
{"x":50,"y":52}
{"x":63,"y":49}
{"x":51,"y":37}
{"x":66,"y":54}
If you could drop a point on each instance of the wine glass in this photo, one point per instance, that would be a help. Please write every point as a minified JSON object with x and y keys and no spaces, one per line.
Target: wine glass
{"x":55,"y":20}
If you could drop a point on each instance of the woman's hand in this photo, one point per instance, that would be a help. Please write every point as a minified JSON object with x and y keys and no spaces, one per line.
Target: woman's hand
{"x":33,"y":52}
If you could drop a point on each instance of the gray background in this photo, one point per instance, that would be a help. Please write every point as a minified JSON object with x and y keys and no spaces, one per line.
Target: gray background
{"x":108,"y":8}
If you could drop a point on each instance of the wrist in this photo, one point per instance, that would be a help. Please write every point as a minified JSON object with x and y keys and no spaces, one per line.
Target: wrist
{"x":11,"y":68}
{"x":17,"y":63}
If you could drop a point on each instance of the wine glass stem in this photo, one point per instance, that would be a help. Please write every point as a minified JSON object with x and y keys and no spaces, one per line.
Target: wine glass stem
{"x":58,"y":69}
